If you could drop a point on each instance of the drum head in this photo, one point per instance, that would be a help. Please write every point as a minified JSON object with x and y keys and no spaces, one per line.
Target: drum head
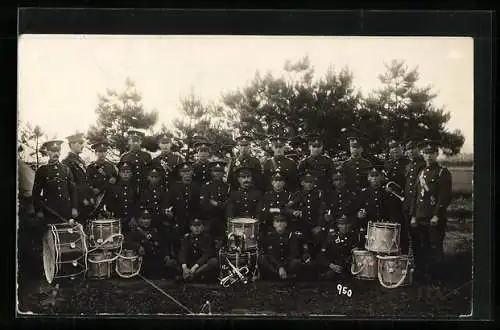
{"x":49,"y":256}
{"x":244,"y":220}
{"x":104,"y":221}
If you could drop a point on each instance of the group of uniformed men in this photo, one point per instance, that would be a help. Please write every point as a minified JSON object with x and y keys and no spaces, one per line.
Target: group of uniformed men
{"x":311,"y":214}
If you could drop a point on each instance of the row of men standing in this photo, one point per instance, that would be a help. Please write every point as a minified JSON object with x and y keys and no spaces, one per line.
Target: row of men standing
{"x":69,"y":189}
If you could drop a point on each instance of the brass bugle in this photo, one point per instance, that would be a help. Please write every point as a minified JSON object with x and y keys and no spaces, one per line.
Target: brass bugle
{"x":239,"y":271}
{"x":228,"y":280}
{"x":391,"y":186}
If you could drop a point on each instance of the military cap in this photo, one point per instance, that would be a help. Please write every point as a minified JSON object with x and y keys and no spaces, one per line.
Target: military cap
{"x":277,"y":175}
{"x":429,"y":145}
{"x":155,"y":169}
{"x":53,"y":145}
{"x":196,"y":221}
{"x":217,"y":165}
{"x":185,"y":166}
{"x":393,"y":143}
{"x":145,"y":214}
{"x":100,"y":146}
{"x":410,"y":142}
{"x":314,"y":139}
{"x":338,"y":173}
{"x":134,"y":132}
{"x":344,"y":220}
{"x":202,"y":144}
{"x":355,"y":137}
{"x":307,"y":176}
{"x":165,"y":138}
{"x":279,"y":216}
{"x":124,"y":165}
{"x":376,"y":169}
{"x":78,"y":137}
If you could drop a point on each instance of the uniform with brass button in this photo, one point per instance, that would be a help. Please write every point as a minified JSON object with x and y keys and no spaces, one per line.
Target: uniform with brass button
{"x":121,"y":198}
{"x":244,"y":158}
{"x":167,"y":159}
{"x":415,"y":164}
{"x":79,"y":171}
{"x":197,"y":255}
{"x":101,"y":172}
{"x":287,"y":166}
{"x":213,"y":200}
{"x":279,"y":257}
{"x":274,"y":201}
{"x":317,"y":163}
{"x":395,"y":165}
{"x":246,"y":201}
{"x":54,"y":188}
{"x":201,"y":171}
{"x":139,"y":159}
{"x":356,"y":167}
{"x":153,"y":195}
{"x":428,"y":209}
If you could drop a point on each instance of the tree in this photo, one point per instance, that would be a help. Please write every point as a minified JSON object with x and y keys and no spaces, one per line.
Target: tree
{"x":298,"y":104}
{"x":30,"y":138}
{"x":118,"y":112}
{"x":401,"y":109}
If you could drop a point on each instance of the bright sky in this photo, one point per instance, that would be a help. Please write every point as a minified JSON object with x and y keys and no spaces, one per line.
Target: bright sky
{"x":60,"y":76}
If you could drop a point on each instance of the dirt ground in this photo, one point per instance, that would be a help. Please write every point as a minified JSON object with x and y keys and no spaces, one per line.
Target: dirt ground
{"x":449,"y":298}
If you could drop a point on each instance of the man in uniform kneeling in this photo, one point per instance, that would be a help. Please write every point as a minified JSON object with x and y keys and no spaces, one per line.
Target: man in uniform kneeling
{"x":197,"y":255}
{"x":280,"y":257}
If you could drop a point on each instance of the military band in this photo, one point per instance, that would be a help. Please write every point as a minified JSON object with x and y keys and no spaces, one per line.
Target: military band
{"x":310,"y":215}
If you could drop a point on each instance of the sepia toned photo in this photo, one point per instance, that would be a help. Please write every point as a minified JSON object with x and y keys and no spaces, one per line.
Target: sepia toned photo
{"x":245,"y":175}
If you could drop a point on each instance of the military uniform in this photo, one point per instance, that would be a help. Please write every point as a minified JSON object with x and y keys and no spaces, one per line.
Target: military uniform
{"x":273,"y":202}
{"x":154,"y":199}
{"x":286,"y":166}
{"x":140,"y":161}
{"x":201,"y":172}
{"x":100,"y":172}
{"x":198,"y":250}
{"x":54,"y":188}
{"x":168,"y":160}
{"x":356,"y":173}
{"x":341,"y":203}
{"x":431,"y":198}
{"x":395,"y":169}
{"x":279,"y":250}
{"x":79,"y":171}
{"x":411,"y":173}
{"x":216,"y":191}
{"x":248,"y":161}
{"x":244,"y":203}
{"x":336,"y":249}
{"x":121,"y":199}
{"x":321,"y":166}
{"x":185,"y":201}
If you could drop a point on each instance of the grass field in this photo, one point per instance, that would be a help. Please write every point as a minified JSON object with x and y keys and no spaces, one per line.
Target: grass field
{"x":462,"y":179}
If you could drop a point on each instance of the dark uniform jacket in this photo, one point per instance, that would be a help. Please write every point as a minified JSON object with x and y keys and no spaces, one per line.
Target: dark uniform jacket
{"x":321,"y":166}
{"x":380,"y":206}
{"x":313,"y":206}
{"x":99,"y":173}
{"x":336,"y":249}
{"x":217,"y":191}
{"x":79,"y":171}
{"x":280,"y":249}
{"x":54,"y":187}
{"x":396,"y":170}
{"x":154,"y":199}
{"x":411,"y":173}
{"x":274,"y":200}
{"x":355,"y":171}
{"x":196,"y":249}
{"x":168,"y":161}
{"x":341,"y":203}
{"x":185,"y":202}
{"x":432,"y":193}
{"x":121,"y":199}
{"x":244,"y":203}
{"x":286,"y":166}
{"x":140,"y":161}
{"x":149,"y":239}
{"x":201,"y":172}
{"x":253,"y":163}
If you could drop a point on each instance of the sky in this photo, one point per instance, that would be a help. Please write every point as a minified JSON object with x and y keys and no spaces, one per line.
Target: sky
{"x":60,"y":76}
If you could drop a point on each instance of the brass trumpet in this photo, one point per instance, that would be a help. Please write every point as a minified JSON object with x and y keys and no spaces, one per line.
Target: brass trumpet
{"x":228,"y":280}
{"x":240,"y":272}
{"x":391,"y":187}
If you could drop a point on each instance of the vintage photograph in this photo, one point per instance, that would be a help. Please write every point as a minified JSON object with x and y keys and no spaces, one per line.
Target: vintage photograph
{"x":245,"y":175}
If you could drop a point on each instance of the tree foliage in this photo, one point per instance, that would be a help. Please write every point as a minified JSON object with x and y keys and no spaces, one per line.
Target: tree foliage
{"x":117,"y":112}
{"x":30,"y":139}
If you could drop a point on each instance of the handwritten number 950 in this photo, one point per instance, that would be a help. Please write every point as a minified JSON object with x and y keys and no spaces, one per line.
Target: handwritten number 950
{"x":343,"y":290}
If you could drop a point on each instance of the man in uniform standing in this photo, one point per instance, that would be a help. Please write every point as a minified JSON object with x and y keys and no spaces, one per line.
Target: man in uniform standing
{"x":139,"y":159}
{"x":287,"y":167}
{"x":416,"y":163}
{"x":247,"y":200}
{"x":79,"y":171}
{"x":320,"y":165}
{"x":168,"y":159}
{"x":54,"y":190}
{"x":101,"y":172}
{"x":395,"y":165}
{"x":356,"y":168}
{"x":201,"y":173}
{"x":244,"y":157}
{"x":428,"y":210}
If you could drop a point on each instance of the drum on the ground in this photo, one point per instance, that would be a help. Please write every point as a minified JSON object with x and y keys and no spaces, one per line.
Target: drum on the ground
{"x":106,"y":234}
{"x":383,"y":237}
{"x":100,"y":265}
{"x":364,"y":264}
{"x":128,"y":264}
{"x":247,"y":228}
{"x":394,"y":271}
{"x":64,"y":251}
{"x":244,"y":262}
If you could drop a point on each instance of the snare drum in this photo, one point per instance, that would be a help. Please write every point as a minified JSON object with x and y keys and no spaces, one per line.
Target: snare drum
{"x":106,"y":234}
{"x":383,"y":237}
{"x":238,"y":260}
{"x":64,"y":251}
{"x":394,"y":271}
{"x":128,"y":264}
{"x":248,"y":228}
{"x":364,"y":264}
{"x":100,"y":265}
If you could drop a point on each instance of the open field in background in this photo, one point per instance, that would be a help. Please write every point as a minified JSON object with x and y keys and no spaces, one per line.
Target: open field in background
{"x":462,"y":179}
